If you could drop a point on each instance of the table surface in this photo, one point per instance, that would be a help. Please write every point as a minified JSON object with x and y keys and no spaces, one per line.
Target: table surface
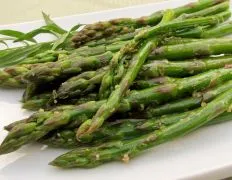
{"x":29,"y":10}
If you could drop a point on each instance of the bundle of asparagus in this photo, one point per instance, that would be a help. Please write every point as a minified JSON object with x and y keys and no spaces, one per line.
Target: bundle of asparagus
{"x":129,"y":85}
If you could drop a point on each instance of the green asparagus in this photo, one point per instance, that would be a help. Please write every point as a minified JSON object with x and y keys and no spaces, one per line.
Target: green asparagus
{"x":42,"y":123}
{"x":206,"y":12}
{"x":164,"y":99}
{"x":125,"y":150}
{"x":113,"y":102}
{"x":48,"y":72}
{"x":185,"y":24}
{"x":11,"y":77}
{"x":47,"y":56}
{"x":198,"y":99}
{"x":205,"y":32}
{"x":87,"y":81}
{"x":201,"y":48}
{"x":124,"y":25}
{"x":118,"y":130}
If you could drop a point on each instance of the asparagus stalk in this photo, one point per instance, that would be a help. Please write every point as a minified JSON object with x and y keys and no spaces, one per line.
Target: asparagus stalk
{"x":41,"y":123}
{"x":106,"y":110}
{"x":47,"y":56}
{"x":185,"y":24}
{"x":219,"y":31}
{"x":41,"y":101}
{"x":143,"y":84}
{"x":87,"y":81}
{"x":113,"y":102}
{"x":204,"y":32}
{"x":183,"y":68}
{"x":37,"y":102}
{"x":44,"y":101}
{"x":92,"y":51}
{"x":107,"y":81}
{"x":79,"y":85}
{"x":206,"y":12}
{"x":93,"y":48}
{"x":117,"y":69}
{"x":11,"y":77}
{"x":125,"y":25}
{"x":111,"y":40}
{"x":48,"y":72}
{"x":119,"y":130}
{"x":177,"y":40}
{"x":198,"y":99}
{"x":198,"y":32}
{"x":125,"y":150}
{"x":194,"y":49}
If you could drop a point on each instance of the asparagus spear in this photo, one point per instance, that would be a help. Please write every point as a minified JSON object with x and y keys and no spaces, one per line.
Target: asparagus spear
{"x":41,"y":101}
{"x":177,"y":40}
{"x":47,"y":56}
{"x":11,"y":77}
{"x":79,"y":85}
{"x":118,"y":42}
{"x":198,"y":32}
{"x":41,"y":123}
{"x":92,"y":51}
{"x":205,"y":32}
{"x":183,"y":68}
{"x":113,"y":102}
{"x":125,"y":25}
{"x":48,"y":72}
{"x":31,"y":90}
{"x":111,"y":40}
{"x":110,"y":107}
{"x":143,"y":84}
{"x":44,"y":101}
{"x":108,"y":79}
{"x":37,"y":102}
{"x":194,"y":49}
{"x":205,"y":12}
{"x":185,"y":24}
{"x":87,"y":81}
{"x":125,"y":150}
{"x":219,"y":31}
{"x":198,"y":99}
{"x":117,"y":68}
{"x":119,"y":130}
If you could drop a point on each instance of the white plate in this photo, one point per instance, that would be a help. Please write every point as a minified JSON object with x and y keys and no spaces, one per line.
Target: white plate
{"x":205,"y":154}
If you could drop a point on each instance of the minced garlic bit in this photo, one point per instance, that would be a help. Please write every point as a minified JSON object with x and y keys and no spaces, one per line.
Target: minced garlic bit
{"x":229,"y":109}
{"x":203,"y":104}
{"x":126,"y":158}
{"x":97,"y":157}
{"x":56,"y":113}
{"x":44,"y":147}
{"x":41,"y":110}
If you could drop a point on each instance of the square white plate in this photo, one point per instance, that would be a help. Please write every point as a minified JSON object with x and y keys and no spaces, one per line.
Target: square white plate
{"x":204,"y":154}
